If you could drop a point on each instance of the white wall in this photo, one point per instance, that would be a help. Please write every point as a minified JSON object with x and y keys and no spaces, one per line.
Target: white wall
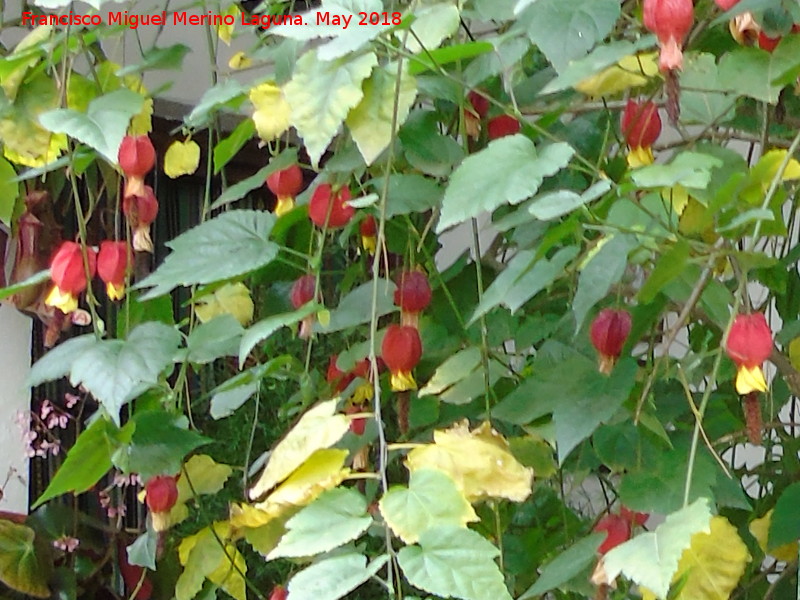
{"x":15,"y":352}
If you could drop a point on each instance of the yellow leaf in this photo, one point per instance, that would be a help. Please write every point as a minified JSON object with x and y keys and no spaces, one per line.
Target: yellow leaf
{"x":206,"y":476}
{"x":479,"y":461}
{"x":231,"y":299}
{"x":228,"y":577}
{"x":11,"y":79}
{"x":226,"y":31}
{"x":141,"y":123}
{"x":320,"y":427}
{"x":712,"y":565}
{"x":240,"y":60}
{"x":630,"y":71}
{"x":763,"y":172}
{"x":271,"y":116}
{"x":760,"y":530}
{"x":203,"y":557}
{"x":794,"y":353}
{"x":264,"y":539}
{"x":677,"y":196}
{"x":322,"y":471}
{"x":181,"y":158}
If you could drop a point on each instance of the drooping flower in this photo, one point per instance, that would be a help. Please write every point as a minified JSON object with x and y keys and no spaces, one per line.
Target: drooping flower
{"x":302,"y":293}
{"x":608,"y":333}
{"x":328,"y":209}
{"x":161,"y":494}
{"x":368,"y":229}
{"x":671,"y":21}
{"x":502,"y":126}
{"x":618,"y":530}
{"x":112,"y":265}
{"x":479,"y":106}
{"x":768,"y":43}
{"x":69,"y":276}
{"x":749,"y":344}
{"x":401,"y":350}
{"x":136,"y":158}
{"x":726,"y":4}
{"x":141,"y":211}
{"x":744,"y":28}
{"x":285,"y":184}
{"x":279,"y":593}
{"x":413,"y":295}
{"x":641,"y":126}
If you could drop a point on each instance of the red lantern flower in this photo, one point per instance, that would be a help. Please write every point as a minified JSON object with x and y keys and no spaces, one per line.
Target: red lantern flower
{"x":69,"y":275}
{"x":161,"y":494}
{"x":136,"y":158}
{"x":641,"y":126}
{"x":633,"y":517}
{"x":401,"y":350}
{"x":749,"y":344}
{"x":472,"y":118}
{"x":112,"y":266}
{"x":413,"y":295}
{"x":357,"y":425}
{"x":285,"y":184}
{"x":502,"y":126}
{"x":141,"y":211}
{"x":302,"y":293}
{"x":279,"y":593}
{"x":608,"y":332}
{"x":671,"y":21}
{"x":328,"y":209}
{"x":369,"y":232}
{"x":768,"y":43}
{"x":618,"y":530}
{"x":726,"y":4}
{"x":338,"y":379}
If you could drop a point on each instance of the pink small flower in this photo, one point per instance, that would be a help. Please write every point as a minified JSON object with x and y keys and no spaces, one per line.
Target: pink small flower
{"x":71,"y":399}
{"x":46,"y":409}
{"x":66,"y":543}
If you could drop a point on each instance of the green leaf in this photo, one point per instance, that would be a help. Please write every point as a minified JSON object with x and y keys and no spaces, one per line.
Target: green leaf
{"x":507,"y":171}
{"x":332,"y":578}
{"x":227,"y":92}
{"x":566,"y":30}
{"x":454,"y":562}
{"x":142,"y":552}
{"x":651,"y":559}
{"x":158,"y":446}
{"x":523,"y":278}
{"x":689,"y":169}
{"x":57,"y":363}
{"x":116,"y":371}
{"x":226,"y":402}
{"x":753,"y":72}
{"x":604,"y":268}
{"x":669,"y":266}
{"x":322,"y":93}
{"x":566,"y":565}
{"x":20,"y":567}
{"x":170,"y":57}
{"x":87,"y":461}
{"x":336,"y":517}
{"x":557,"y":204}
{"x":36,"y":279}
{"x":209,"y":341}
{"x":431,"y":26}
{"x":597,"y":60}
{"x":9,"y":192}
{"x":285,"y":159}
{"x":430,"y":500}
{"x":232,"y":244}
{"x":354,"y":309}
{"x":228,"y":147}
{"x":784,"y":528}
{"x":452,"y":370}
{"x":103,"y":125}
{"x":431,"y":61}
{"x":370,"y":122}
{"x":703,"y":99}
{"x":266,"y":327}
{"x":408,"y":193}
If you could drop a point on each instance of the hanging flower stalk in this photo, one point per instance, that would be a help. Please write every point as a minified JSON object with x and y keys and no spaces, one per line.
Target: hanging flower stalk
{"x":69,"y":276}
{"x":285,"y":184}
{"x":749,"y":344}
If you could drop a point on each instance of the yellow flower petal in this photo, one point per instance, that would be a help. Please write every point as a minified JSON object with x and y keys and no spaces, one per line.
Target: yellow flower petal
{"x":115,"y":292}
{"x":403,"y":381}
{"x":640,"y":157}
{"x":284,"y":205}
{"x":750,"y":380}
{"x":63,"y":301}
{"x":369,"y":243}
{"x":240,"y":61}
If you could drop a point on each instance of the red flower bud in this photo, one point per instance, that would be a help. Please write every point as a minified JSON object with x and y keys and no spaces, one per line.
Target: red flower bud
{"x":750,"y":340}
{"x":767,"y":43}
{"x":726,"y":4}
{"x":618,"y":530}
{"x":413,"y":295}
{"x":66,"y":268}
{"x":401,"y":350}
{"x":322,"y":203}
{"x":671,"y":21}
{"x":161,"y":493}
{"x":136,"y":155}
{"x":285,"y":184}
{"x":608,"y":332}
{"x":303,"y":290}
{"x":141,"y":210}
{"x":279,"y":593}
{"x":502,"y":126}
{"x":640,"y":124}
{"x":368,"y":229}
{"x":112,"y":265}
{"x":480,"y":104}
